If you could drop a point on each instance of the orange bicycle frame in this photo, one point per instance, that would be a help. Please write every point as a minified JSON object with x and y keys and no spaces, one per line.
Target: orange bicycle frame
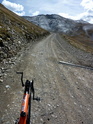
{"x":26,"y":101}
{"x":24,"y":109}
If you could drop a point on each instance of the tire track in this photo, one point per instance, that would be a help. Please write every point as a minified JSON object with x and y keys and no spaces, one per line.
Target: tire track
{"x":66,"y":93}
{"x":76,"y":99}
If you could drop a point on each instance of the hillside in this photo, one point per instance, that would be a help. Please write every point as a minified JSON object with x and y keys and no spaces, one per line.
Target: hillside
{"x":15,"y":32}
{"x":83,"y":38}
{"x":78,"y":33}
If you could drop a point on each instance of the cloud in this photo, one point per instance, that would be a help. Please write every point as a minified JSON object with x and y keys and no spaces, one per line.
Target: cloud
{"x":66,"y":15}
{"x":20,"y":13}
{"x":73,"y":9}
{"x":86,"y":16}
{"x":88,"y":10}
{"x":35,"y":13}
{"x":87,"y":4}
{"x":31,"y":13}
{"x":17,"y":8}
{"x":77,"y":17}
{"x":91,"y":20}
{"x":13,"y":6}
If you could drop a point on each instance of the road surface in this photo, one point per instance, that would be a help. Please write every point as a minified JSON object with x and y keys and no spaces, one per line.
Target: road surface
{"x":66,"y":92}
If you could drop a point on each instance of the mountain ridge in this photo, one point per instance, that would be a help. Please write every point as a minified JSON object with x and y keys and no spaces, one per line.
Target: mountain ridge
{"x":78,"y":33}
{"x":56,"y":23}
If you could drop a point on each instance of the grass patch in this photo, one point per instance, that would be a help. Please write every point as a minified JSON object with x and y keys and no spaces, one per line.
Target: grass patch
{"x":82,"y":42}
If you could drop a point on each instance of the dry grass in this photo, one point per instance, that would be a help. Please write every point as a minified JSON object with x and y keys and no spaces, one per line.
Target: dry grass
{"x":18,"y":23}
{"x":82,"y":42}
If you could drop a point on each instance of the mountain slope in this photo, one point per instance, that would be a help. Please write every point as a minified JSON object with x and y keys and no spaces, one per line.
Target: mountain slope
{"x":83,"y":39}
{"x":15,"y":32}
{"x":53,"y":23}
{"x":79,"y":32}
{"x":56,"y":23}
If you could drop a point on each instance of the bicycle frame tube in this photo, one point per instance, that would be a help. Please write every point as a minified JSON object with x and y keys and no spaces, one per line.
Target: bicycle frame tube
{"x":24,"y":109}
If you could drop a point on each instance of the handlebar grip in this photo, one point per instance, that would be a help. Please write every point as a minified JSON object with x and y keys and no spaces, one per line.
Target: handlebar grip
{"x":19,"y":72}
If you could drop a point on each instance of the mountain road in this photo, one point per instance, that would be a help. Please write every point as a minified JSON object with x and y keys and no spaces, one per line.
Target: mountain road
{"x":66,"y":92}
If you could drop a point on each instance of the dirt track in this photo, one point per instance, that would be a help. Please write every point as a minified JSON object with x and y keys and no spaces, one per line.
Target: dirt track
{"x":66,"y":92}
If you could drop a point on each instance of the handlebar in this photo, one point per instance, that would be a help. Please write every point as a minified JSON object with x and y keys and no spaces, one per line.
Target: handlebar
{"x":21,"y":78}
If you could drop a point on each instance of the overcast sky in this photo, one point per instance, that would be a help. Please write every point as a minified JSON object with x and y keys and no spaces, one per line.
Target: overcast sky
{"x":74,"y":9}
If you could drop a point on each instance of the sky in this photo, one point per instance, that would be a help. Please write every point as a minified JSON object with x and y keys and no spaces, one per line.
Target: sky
{"x":73,"y":9}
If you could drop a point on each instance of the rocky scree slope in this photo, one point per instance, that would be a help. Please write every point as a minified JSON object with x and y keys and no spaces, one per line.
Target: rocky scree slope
{"x":79,"y":32}
{"x":16,"y":32}
{"x":56,"y":23}
{"x":52,"y":23}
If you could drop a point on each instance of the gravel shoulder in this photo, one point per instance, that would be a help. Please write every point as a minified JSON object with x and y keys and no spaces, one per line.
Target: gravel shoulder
{"x":66,"y":92}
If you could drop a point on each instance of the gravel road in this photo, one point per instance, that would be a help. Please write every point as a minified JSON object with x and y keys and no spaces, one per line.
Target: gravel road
{"x":66,"y":92}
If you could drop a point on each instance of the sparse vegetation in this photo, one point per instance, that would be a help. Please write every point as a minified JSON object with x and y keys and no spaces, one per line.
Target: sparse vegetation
{"x":82,"y":42}
{"x":13,"y":29}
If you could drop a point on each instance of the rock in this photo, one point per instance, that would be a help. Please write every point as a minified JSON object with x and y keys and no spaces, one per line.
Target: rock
{"x":5,"y":91}
{"x":1,"y":80}
{"x":8,"y":28}
{"x":0,"y":39}
{"x":11,"y":62}
{"x":54,"y":116}
{"x":49,"y":105}
{"x":3,"y":70}
{"x":19,"y":42}
{"x":5,"y":74}
{"x":7,"y":86}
